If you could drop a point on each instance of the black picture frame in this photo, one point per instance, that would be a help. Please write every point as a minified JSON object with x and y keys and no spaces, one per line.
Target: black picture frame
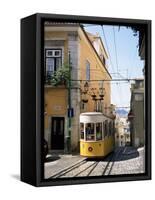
{"x":32,"y":103}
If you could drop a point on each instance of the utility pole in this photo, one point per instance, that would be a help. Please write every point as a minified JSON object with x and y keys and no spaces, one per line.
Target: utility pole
{"x":68,"y":137}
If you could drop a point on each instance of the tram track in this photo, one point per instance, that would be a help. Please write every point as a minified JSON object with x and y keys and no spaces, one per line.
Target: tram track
{"x":83,"y":167}
{"x":87,"y":170}
{"x":68,"y":169}
{"x":109,"y":166}
{"x":87,"y":167}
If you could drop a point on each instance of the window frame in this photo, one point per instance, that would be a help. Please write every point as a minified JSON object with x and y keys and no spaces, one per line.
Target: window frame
{"x":53,"y":49}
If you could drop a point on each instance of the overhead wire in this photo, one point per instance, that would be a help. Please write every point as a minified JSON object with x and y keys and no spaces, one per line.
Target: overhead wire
{"x":116,"y":58}
{"x":107,"y":48}
{"x":112,"y":66}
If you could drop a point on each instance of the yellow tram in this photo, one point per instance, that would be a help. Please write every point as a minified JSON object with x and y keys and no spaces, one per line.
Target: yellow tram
{"x":96,"y":134}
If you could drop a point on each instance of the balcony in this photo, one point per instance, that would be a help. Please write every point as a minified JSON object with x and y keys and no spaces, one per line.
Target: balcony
{"x":56,"y":78}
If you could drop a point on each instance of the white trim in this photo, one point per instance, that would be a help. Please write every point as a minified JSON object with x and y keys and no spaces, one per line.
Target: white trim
{"x":53,"y":53}
{"x":84,"y":131}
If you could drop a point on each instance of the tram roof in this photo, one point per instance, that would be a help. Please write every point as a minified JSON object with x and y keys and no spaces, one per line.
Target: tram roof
{"x":95,"y":114}
{"x":91,"y":113}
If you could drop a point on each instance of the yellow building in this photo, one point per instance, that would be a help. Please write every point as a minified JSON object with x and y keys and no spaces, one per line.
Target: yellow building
{"x":69,"y":43}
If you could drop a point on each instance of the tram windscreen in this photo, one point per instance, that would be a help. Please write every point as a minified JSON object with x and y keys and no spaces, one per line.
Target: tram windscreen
{"x":90,"y":135}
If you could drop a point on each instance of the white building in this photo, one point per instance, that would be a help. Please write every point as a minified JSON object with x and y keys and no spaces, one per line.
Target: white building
{"x":122,"y":134}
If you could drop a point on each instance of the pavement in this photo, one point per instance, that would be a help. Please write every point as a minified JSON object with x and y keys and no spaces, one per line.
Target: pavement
{"x":124,"y":160}
{"x":131,"y":162}
{"x":56,"y":163}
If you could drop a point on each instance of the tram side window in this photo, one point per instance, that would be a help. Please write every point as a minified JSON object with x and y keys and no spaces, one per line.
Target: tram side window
{"x":103,"y":130}
{"x":110,"y":129}
{"x":90,"y":131}
{"x":99,"y":131}
{"x":114,"y":128}
{"x":106,"y":128}
{"x":82,"y":130}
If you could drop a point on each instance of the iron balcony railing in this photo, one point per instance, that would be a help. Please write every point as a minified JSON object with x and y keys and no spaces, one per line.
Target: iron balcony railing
{"x":48,"y":77}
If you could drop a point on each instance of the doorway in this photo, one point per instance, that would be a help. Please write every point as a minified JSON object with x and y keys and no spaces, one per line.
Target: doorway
{"x":57,"y":133}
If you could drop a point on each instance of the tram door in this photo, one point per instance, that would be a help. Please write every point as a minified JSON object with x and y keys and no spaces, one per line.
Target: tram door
{"x":57,"y":133}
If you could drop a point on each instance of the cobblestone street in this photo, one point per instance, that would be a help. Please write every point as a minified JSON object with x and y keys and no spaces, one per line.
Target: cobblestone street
{"x":124,"y":160}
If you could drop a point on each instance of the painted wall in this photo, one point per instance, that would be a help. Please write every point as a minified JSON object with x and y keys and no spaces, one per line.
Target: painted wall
{"x":56,"y":105}
{"x":138,"y":124}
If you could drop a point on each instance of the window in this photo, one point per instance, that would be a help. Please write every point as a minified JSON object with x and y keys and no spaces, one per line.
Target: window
{"x":87,"y":70}
{"x":82,"y":130}
{"x":53,"y":60}
{"x":89,"y":128}
{"x":99,"y":131}
{"x":82,"y":106}
{"x":106,"y":128}
{"x":53,"y":53}
{"x":103,"y":60}
{"x":138,"y":97}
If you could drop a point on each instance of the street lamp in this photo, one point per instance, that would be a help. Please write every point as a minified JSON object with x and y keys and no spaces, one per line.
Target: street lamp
{"x":84,"y":92}
{"x":86,"y":87}
{"x":101,"y":92}
{"x":97,"y":96}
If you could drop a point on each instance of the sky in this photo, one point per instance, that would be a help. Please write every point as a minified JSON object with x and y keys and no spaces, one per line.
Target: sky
{"x":123,"y":59}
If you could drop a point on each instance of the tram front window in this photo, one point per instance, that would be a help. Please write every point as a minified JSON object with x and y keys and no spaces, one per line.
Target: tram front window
{"x":82,"y":131}
{"x":99,"y":131}
{"x":90,"y":131}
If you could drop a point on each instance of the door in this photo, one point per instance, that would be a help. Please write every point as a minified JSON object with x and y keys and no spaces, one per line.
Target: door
{"x":57,"y":133}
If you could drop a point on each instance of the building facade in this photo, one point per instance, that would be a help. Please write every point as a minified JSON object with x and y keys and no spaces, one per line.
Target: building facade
{"x":86,"y":90}
{"x":137,"y":110}
{"x":122,"y":131}
{"x":136,"y":115}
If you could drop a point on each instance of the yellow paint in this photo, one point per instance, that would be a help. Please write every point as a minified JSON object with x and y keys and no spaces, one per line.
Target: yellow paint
{"x":99,"y":148}
{"x":97,"y":71}
{"x":56,"y":102}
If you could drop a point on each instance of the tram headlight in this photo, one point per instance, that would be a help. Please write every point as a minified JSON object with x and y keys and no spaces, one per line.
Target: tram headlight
{"x":90,"y":149}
